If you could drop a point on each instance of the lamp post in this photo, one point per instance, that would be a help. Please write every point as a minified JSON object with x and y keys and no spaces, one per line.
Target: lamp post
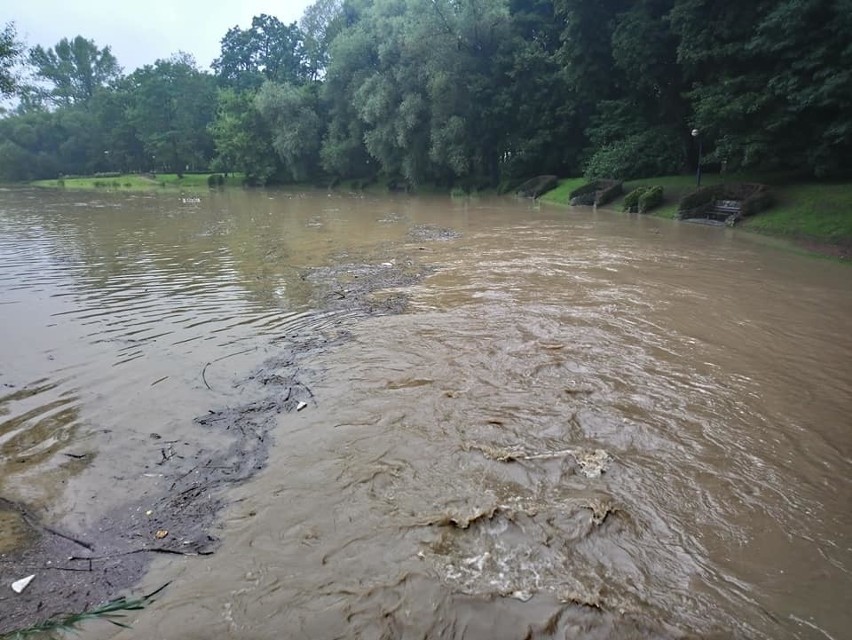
{"x":697,"y":135}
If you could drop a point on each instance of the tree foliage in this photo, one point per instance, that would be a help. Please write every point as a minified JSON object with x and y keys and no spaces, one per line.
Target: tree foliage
{"x":74,"y":69}
{"x":10,"y":52}
{"x":461,"y":92}
{"x":268,"y":50}
{"x":172,"y":106}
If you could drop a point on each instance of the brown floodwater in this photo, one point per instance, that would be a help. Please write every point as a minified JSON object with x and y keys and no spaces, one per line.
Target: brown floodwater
{"x":585,"y":424}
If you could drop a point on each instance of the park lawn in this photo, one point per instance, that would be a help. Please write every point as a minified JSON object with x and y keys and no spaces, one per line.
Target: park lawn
{"x":816,"y":211}
{"x":559,"y":195}
{"x":138,"y":182}
{"x":804,"y":209}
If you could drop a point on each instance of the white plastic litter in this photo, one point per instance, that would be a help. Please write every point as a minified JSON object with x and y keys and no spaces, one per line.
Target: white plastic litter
{"x":19,"y":585}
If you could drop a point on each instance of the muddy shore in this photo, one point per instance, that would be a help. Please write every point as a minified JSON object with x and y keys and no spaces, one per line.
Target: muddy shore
{"x":77,"y":571}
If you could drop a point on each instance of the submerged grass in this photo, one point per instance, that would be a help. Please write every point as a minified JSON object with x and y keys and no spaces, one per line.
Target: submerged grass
{"x":113,"y":612}
{"x":139,"y":182}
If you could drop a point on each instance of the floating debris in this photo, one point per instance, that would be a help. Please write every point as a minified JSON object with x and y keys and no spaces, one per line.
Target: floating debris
{"x":161,"y":533}
{"x":592,"y":463}
{"x":301,"y":406}
{"x":19,"y":585}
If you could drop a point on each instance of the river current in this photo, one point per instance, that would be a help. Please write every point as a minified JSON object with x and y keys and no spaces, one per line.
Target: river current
{"x":583,"y":424}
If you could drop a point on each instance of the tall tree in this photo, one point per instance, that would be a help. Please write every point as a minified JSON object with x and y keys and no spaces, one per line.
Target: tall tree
{"x":10,"y":52}
{"x":770,"y":79}
{"x":292,"y":115}
{"x":243,"y":138}
{"x":74,"y":69}
{"x":268,"y":50}
{"x":321,"y":22}
{"x":173,"y":105}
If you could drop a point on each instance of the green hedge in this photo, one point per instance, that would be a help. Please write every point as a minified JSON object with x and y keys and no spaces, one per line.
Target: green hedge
{"x":700,"y":197}
{"x":650,"y":198}
{"x":586,"y":189}
{"x":215,"y":180}
{"x":537,"y":186}
{"x":631,"y":200}
{"x":597,"y":192}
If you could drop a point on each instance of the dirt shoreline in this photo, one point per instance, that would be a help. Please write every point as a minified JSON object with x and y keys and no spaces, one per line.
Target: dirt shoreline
{"x":76,"y":572}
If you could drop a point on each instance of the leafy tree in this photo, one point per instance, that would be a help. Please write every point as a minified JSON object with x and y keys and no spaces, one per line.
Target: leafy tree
{"x":74,"y":69}
{"x":10,"y":52}
{"x":268,"y":50}
{"x":770,"y":79}
{"x":321,"y":22}
{"x":172,"y":105}
{"x":242,"y":138}
{"x":291,"y":113}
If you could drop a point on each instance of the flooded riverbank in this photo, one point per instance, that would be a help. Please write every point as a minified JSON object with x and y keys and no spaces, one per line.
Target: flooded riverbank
{"x":583,"y":423}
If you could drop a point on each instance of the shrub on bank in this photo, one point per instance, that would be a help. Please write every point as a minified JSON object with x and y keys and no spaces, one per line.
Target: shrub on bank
{"x":631,"y":200}
{"x":699,"y":197}
{"x":537,"y":186}
{"x":215,"y":180}
{"x":597,"y":193}
{"x":650,"y":198}
{"x":752,"y":198}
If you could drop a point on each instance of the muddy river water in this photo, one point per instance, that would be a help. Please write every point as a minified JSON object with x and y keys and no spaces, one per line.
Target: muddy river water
{"x":546,"y":423}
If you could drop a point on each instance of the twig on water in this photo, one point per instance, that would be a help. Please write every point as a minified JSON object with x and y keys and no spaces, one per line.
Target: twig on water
{"x":203,"y":377}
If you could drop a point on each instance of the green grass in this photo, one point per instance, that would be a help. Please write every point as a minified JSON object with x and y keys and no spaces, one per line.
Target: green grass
{"x":138,"y":182}
{"x":113,"y":612}
{"x":817,"y":211}
{"x":805,"y":209}
{"x":559,"y":195}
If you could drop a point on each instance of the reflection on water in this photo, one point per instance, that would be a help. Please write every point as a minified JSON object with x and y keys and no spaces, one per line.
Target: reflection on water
{"x":445,"y":485}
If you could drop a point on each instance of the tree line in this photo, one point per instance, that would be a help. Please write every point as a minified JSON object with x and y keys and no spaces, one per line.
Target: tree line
{"x":452,"y":92}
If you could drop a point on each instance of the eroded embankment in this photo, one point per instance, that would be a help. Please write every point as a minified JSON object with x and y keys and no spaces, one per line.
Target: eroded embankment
{"x":76,"y":571}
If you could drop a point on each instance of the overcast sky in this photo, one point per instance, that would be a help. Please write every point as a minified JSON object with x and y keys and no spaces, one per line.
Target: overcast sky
{"x":141,"y":32}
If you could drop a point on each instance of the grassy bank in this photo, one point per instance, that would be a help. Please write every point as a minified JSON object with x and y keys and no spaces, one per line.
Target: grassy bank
{"x":138,"y":182}
{"x":807,"y":212}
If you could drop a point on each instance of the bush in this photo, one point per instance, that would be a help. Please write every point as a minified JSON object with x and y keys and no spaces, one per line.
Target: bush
{"x":653,"y":152}
{"x":586,"y":189}
{"x":610,"y":190}
{"x":650,"y":198}
{"x":631,"y":200}
{"x":537,"y":186}
{"x":699,"y":197}
{"x":108,"y":174}
{"x":597,"y":192}
{"x":215,"y":180}
{"x":753,"y":198}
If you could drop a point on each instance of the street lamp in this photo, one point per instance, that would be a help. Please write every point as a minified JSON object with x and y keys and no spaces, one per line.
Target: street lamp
{"x":696,"y":134}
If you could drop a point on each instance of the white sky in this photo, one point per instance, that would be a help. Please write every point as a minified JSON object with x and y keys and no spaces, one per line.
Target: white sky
{"x":141,"y":32}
